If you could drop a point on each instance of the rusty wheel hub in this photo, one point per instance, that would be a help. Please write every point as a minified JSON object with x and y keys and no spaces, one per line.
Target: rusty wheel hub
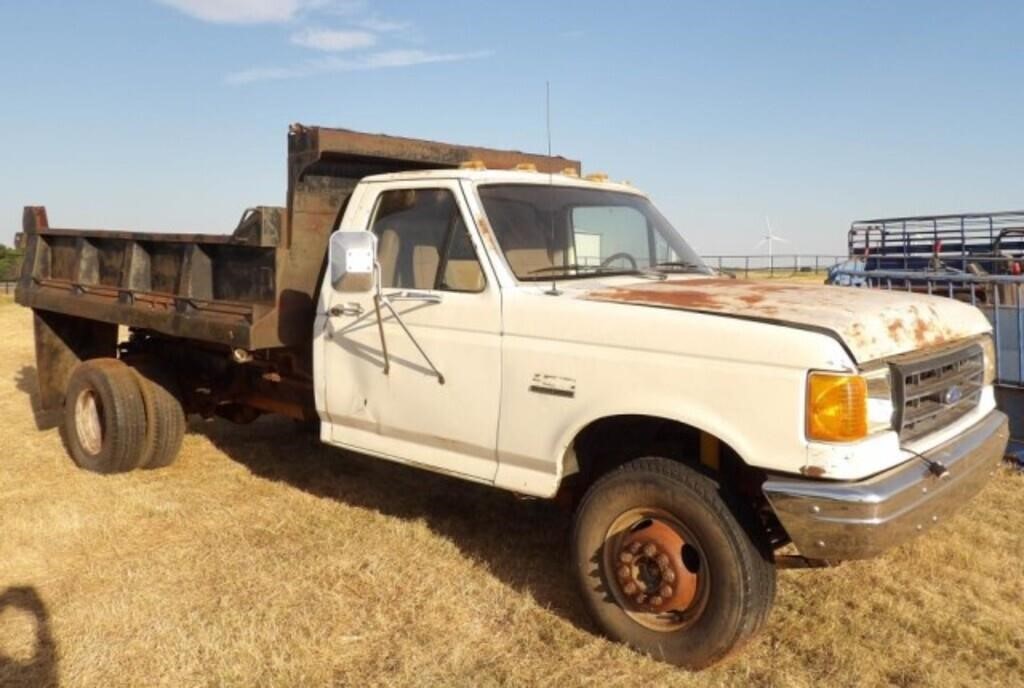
{"x":650,"y":570}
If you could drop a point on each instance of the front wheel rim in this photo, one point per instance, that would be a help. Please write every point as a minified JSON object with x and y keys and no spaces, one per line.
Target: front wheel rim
{"x":89,"y":421}
{"x":655,"y":569}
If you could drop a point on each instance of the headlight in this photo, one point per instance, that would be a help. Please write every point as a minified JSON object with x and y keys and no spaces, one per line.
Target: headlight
{"x":988,"y":347}
{"x":837,"y":407}
{"x":881,"y":411}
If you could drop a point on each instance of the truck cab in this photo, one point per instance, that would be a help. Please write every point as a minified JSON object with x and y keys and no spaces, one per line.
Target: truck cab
{"x":538,"y":331}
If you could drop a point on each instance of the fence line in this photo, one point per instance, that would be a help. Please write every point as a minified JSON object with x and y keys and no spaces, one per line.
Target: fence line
{"x":778,"y":264}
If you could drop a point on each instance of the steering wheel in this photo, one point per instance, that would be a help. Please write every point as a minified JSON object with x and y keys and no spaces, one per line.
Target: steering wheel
{"x":615,"y":256}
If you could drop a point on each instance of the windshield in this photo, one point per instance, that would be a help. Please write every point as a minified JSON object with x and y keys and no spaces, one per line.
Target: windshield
{"x":567,"y":232}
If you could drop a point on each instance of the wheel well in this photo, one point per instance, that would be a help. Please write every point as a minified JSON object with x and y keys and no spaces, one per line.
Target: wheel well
{"x":609,"y":442}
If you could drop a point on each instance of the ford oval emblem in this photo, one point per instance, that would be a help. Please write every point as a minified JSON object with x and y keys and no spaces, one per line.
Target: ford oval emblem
{"x":952,"y":395}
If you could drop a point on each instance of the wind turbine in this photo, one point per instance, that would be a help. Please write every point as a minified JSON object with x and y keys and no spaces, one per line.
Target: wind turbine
{"x":769,"y":239}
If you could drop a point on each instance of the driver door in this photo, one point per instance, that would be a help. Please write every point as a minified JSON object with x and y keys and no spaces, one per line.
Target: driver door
{"x":393,"y":404}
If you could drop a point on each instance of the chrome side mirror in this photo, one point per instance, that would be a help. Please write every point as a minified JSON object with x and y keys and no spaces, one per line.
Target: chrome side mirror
{"x":352,"y":257}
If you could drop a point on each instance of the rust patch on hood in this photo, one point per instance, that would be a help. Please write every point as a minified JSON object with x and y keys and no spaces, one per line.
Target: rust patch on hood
{"x":872,"y":323}
{"x":695,"y":298}
{"x":699,"y":294}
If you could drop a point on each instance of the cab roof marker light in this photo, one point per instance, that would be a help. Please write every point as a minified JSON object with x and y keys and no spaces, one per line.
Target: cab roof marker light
{"x":472,"y":165}
{"x":599,"y":177}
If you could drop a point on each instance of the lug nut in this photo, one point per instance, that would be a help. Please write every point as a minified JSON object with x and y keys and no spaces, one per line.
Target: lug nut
{"x":635,"y":547}
{"x":656,"y":601}
{"x":625,"y":557}
{"x":662,"y":559}
{"x":650,"y":550}
{"x":623,"y":572}
{"x":666,"y":591}
{"x":640,"y":598}
{"x":629,"y":588}
{"x":669,"y":576}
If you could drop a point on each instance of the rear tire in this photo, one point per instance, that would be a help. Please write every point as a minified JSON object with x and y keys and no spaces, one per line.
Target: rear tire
{"x":665,"y":566}
{"x":165,"y":417}
{"x":104,"y":417}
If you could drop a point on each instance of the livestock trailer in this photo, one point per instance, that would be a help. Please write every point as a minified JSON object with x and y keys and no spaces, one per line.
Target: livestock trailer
{"x":973,"y":257}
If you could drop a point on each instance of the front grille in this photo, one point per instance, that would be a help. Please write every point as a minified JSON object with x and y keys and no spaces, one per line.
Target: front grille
{"x":933,"y":392}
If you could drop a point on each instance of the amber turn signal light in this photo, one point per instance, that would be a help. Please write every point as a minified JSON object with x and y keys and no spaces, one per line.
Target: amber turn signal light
{"x":837,"y":407}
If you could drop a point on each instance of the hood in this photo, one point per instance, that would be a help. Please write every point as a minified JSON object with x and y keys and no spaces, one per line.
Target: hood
{"x":871,"y":322}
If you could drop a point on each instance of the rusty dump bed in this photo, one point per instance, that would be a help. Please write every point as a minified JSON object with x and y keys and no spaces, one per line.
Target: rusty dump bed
{"x":254,"y":289}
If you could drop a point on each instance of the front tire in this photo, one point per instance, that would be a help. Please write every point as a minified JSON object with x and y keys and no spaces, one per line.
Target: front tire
{"x":665,"y":566}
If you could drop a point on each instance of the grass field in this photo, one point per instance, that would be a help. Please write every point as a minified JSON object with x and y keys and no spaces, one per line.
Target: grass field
{"x":783,"y":276}
{"x":262,"y":558}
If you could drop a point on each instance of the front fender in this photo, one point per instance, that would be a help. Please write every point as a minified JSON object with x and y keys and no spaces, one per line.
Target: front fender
{"x":542,"y":476}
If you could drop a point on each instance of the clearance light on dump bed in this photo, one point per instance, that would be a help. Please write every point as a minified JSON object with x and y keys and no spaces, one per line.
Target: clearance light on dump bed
{"x":837,"y":407}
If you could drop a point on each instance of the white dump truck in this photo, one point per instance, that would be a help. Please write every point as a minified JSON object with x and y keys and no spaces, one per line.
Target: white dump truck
{"x":544,"y":333}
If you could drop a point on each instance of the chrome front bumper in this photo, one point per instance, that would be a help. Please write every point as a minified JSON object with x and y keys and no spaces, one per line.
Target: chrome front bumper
{"x":858,"y":520}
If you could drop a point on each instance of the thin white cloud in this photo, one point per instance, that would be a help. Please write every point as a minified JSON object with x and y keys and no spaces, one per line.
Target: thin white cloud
{"x":387,"y":59}
{"x":259,"y":11}
{"x":238,"y":11}
{"x":409,"y":58}
{"x":333,"y":41}
{"x":248,"y":76}
{"x":362,"y":32}
{"x":343,"y":8}
{"x":379,"y":25}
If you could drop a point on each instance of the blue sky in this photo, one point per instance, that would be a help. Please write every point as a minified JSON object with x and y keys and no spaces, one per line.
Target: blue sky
{"x":171,"y":114}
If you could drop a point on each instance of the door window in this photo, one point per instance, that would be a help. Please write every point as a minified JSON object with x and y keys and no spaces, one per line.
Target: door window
{"x":423,"y":243}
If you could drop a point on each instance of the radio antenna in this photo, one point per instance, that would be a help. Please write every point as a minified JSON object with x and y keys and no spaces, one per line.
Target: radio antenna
{"x":551,"y":175}
{"x":547,"y":112}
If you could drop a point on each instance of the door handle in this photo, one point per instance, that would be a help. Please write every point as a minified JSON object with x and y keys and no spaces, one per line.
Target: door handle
{"x":346,"y":309}
{"x":411,"y":295}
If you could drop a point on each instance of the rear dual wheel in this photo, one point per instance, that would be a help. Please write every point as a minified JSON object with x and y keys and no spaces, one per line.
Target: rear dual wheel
{"x":667,"y":567}
{"x":165,"y":417}
{"x":118,"y":418}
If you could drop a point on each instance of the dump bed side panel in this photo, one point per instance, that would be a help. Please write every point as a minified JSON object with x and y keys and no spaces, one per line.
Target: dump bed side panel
{"x":195,"y":286}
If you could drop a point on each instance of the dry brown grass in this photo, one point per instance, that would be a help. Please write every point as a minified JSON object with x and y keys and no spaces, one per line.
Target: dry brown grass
{"x":263,"y":558}
{"x":784,"y":276}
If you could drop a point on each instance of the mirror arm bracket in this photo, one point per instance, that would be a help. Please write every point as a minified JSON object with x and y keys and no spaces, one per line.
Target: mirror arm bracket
{"x":380,"y":327}
{"x":378,"y":299}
